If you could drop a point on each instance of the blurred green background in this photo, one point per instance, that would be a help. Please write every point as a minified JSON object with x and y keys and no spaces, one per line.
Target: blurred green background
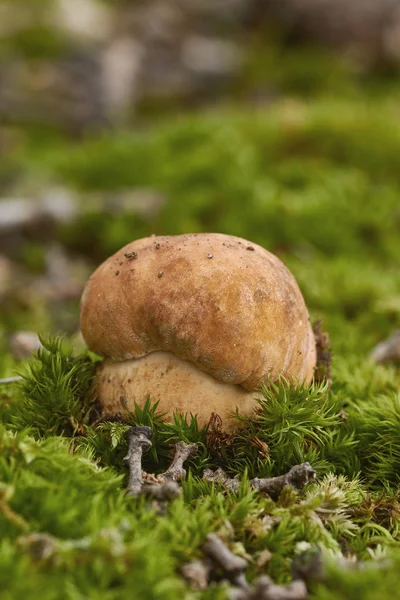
{"x":278,"y":122}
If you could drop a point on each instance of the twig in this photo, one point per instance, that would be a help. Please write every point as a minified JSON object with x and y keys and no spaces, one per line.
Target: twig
{"x":41,"y":546}
{"x":388,"y":350}
{"x":196,"y":573}
{"x":13,"y":517}
{"x":265,"y":589}
{"x":162,"y":488}
{"x":297,"y":477}
{"x":232,"y":565}
{"x":139,"y":442}
{"x":8,"y":380}
{"x":162,"y":492}
{"x":219,"y":476}
{"x":183,"y":451}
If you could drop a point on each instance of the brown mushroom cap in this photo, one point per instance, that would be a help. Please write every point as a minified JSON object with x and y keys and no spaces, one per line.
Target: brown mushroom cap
{"x":223,"y":303}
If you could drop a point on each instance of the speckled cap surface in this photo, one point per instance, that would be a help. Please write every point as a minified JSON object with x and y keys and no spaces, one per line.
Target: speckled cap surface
{"x":227,"y":305}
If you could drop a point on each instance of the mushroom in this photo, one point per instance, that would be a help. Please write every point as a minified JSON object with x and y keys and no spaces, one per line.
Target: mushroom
{"x":197,"y":322}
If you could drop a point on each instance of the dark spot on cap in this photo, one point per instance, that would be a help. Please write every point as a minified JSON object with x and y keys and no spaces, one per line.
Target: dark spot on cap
{"x":160,"y":274}
{"x":158,"y":246}
{"x":209,"y":255}
{"x":250,"y":248}
{"x":130,"y":255}
{"x":116,"y":273}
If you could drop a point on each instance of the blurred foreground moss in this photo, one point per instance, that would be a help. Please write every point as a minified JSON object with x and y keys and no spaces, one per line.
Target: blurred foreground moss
{"x":68,"y":528}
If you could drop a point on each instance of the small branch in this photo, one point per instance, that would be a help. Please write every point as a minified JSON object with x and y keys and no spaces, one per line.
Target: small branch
{"x":8,"y":380}
{"x":162,"y":492}
{"x":162,"y":488}
{"x":41,"y":546}
{"x":232,"y":565}
{"x":139,"y":442}
{"x":183,"y":451}
{"x":196,"y":574}
{"x":297,"y":477}
{"x":220,"y":477}
{"x":388,"y":350}
{"x":13,"y":517}
{"x":265,"y":589}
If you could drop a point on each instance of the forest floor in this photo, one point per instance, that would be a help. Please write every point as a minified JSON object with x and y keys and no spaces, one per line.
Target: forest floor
{"x":313,"y":177}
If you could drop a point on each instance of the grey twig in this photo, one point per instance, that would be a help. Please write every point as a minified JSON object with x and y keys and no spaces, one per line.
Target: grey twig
{"x":196,"y":573}
{"x":232,"y":565}
{"x":139,"y":442}
{"x":297,"y":477}
{"x":8,"y":380}
{"x":183,"y":451}
{"x":219,"y":476}
{"x":388,"y":350}
{"x":160,"y":489}
{"x":265,"y":589}
{"x":162,"y":492}
{"x":41,"y":546}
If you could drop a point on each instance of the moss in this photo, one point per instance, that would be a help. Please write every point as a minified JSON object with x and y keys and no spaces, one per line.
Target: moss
{"x":313,"y":177}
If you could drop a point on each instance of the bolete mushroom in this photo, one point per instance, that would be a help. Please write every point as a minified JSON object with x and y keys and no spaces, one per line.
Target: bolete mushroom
{"x":197,"y":322}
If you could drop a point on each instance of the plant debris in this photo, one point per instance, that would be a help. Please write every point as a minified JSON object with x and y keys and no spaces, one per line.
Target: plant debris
{"x":388,"y":351}
{"x":196,"y":573}
{"x":232,"y":566}
{"x":139,"y":442}
{"x":161,"y":488}
{"x":265,"y":589}
{"x":323,"y":369}
{"x":183,"y":451}
{"x":297,"y":477}
{"x":216,"y":434}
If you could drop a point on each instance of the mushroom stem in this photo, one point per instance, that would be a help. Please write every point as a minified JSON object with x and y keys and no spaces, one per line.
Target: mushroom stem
{"x":139,"y":442}
{"x":233,"y":566}
{"x":183,"y":451}
{"x":297,"y":477}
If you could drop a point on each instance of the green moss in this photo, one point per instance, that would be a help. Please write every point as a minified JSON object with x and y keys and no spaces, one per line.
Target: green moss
{"x":315,"y":179}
